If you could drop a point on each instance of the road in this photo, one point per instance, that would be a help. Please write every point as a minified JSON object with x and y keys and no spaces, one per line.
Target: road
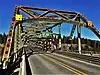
{"x":56,"y":64}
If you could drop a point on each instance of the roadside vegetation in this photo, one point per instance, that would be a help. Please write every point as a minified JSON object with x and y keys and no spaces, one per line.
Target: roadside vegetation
{"x":3,"y":38}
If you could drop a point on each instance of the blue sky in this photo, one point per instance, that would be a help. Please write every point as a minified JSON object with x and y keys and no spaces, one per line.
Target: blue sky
{"x":89,"y":8}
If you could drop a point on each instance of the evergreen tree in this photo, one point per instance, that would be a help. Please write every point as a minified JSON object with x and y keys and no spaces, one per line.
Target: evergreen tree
{"x":3,"y":38}
{"x":0,"y":38}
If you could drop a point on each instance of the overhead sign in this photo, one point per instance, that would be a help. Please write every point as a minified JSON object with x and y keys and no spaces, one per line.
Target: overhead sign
{"x":45,"y":34}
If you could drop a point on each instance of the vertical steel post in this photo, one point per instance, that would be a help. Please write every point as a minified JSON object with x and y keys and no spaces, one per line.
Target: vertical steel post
{"x":79,"y":36}
{"x":50,"y":41}
{"x":95,"y":45}
{"x":59,"y":26}
{"x":15,"y":43}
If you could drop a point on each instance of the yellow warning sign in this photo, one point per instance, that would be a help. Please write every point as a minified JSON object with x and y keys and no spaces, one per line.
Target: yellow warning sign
{"x":89,"y":23}
{"x":18,"y":17}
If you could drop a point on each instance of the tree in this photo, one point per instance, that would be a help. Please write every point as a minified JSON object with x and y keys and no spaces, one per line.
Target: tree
{"x":4,"y":38}
{"x":1,"y":38}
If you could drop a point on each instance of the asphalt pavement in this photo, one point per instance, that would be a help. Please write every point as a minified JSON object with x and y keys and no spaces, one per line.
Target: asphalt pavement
{"x":56,"y":64}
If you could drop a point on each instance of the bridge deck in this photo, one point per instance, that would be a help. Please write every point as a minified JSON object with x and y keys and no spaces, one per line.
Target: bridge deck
{"x":54,"y":64}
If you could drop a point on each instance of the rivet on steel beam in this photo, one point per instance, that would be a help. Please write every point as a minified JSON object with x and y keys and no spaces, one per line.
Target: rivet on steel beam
{"x":11,"y":27}
{"x":12,"y":22}
{"x":9,"y":40}
{"x":10,"y":30}
{"x":13,"y":19}
{"x":5,"y":58}
{"x":8,"y":45}
{"x":6,"y":52}
{"x":9,"y":34}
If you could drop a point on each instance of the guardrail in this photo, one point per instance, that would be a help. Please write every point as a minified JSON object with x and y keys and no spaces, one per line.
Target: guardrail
{"x":16,"y":65}
{"x":23,"y":67}
{"x":90,"y":59}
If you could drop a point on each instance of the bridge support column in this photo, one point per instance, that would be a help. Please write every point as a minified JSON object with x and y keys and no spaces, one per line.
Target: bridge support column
{"x":59,"y":26}
{"x":15,"y":43}
{"x":79,"y":45}
{"x":79,"y":37}
{"x":59,"y":44}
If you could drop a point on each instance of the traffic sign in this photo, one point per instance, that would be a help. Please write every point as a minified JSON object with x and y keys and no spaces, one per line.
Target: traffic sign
{"x":89,"y":23}
{"x":18,"y":17}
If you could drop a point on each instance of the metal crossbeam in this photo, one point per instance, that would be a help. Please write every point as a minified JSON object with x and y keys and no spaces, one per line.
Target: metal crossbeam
{"x":42,"y":19}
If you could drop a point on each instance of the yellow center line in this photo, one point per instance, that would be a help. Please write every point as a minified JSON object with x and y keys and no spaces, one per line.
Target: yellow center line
{"x":67,"y":65}
{"x":64,"y":65}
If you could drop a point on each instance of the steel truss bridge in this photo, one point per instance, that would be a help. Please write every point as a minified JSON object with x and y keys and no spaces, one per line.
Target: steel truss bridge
{"x":31,"y":32}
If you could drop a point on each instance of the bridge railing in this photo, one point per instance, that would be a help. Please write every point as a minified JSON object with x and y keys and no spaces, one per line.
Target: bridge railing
{"x":15,"y":65}
{"x":90,"y":59}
